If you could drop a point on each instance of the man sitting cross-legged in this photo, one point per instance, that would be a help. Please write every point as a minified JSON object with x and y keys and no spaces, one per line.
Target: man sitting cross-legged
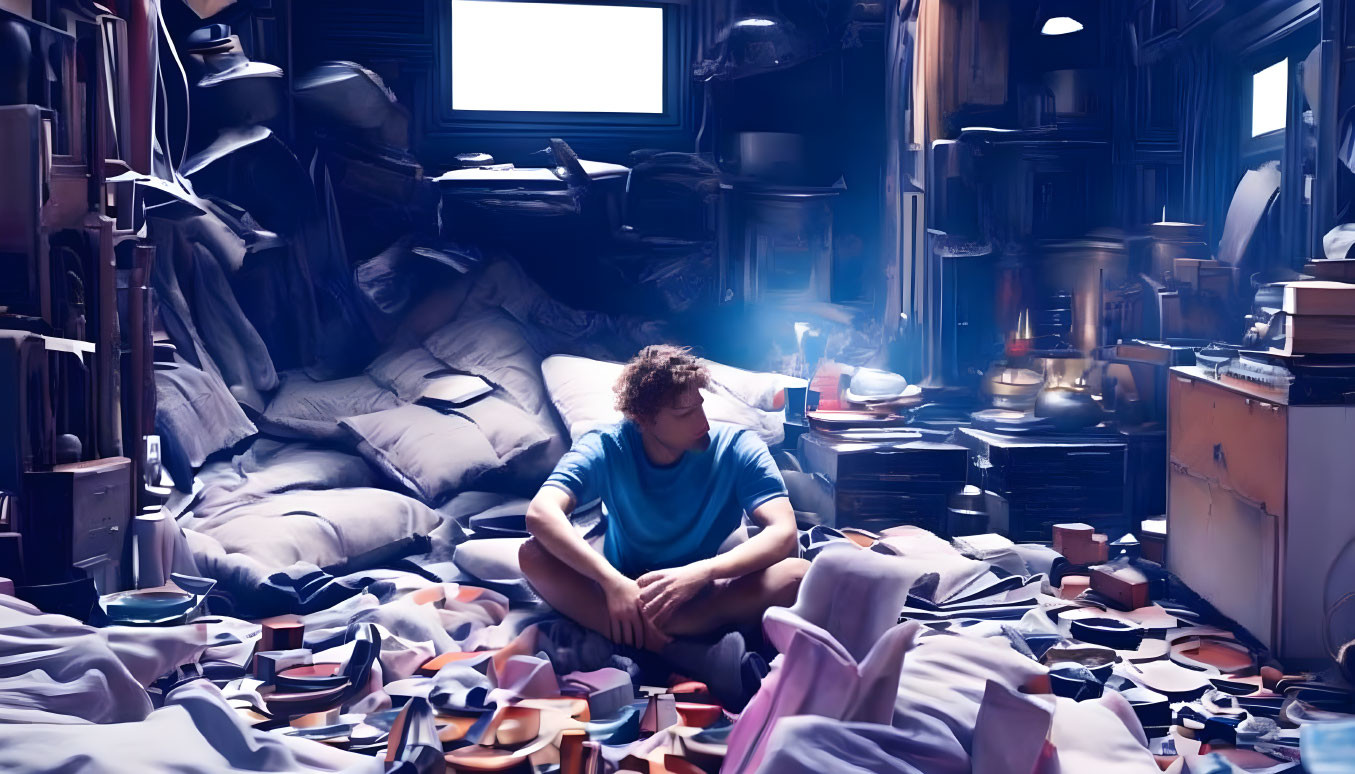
{"x":673,"y":487}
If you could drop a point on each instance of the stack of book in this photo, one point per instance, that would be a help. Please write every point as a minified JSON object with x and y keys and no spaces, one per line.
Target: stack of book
{"x":1318,"y":318}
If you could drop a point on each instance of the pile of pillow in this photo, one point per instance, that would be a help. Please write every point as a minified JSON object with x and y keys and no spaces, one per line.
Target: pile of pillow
{"x":508,"y":440}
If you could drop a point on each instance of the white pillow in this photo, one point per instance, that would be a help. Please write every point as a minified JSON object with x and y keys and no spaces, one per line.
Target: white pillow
{"x":581,"y":390}
{"x":757,"y":389}
{"x":406,"y":370}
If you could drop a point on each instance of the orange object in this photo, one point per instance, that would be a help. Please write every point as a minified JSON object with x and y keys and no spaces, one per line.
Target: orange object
{"x":698,"y":715}
{"x":1076,"y":542}
{"x":691,"y":690}
{"x":1102,"y":545}
{"x":1124,"y":584}
{"x":1270,"y":676}
{"x":571,"y":750}
{"x":1073,"y":585}
{"x":468,"y":593}
{"x":860,"y":537}
{"x":476,"y":758}
{"x":431,"y":668}
{"x":453,"y":728}
{"x":428,"y":596}
{"x":512,"y":726}
{"x":825,"y":383}
{"x":677,"y":765}
{"x":284,"y":632}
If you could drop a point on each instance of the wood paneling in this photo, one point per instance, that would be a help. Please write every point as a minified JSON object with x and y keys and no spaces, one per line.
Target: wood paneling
{"x":1237,"y":442}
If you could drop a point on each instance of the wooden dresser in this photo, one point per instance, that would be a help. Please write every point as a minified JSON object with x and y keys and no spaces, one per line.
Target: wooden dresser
{"x":1261,"y":508}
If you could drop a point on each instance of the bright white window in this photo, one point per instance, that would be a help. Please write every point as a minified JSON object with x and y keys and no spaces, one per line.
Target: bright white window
{"x":1269,"y":89}
{"x":557,"y":57}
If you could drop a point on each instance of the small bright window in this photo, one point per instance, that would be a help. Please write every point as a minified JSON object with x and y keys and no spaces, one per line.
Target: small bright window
{"x":1269,"y":90}
{"x":557,"y":57}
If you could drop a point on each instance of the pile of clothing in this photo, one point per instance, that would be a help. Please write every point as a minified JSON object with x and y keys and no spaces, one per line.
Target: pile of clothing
{"x":901,"y":654}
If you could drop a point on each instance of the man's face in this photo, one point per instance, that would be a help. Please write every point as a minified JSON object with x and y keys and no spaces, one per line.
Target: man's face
{"x":682,"y":425}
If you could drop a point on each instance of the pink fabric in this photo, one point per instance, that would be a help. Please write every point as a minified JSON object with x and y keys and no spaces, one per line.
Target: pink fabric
{"x":1044,"y":734}
{"x":875,"y":585}
{"x":816,"y":676}
{"x":524,"y":677}
{"x":1010,"y":735}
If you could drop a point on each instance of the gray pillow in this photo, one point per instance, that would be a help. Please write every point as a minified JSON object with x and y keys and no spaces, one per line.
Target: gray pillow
{"x":305,"y":408}
{"x":431,"y":454}
{"x":406,"y":369}
{"x":510,"y":430}
{"x":491,"y":344}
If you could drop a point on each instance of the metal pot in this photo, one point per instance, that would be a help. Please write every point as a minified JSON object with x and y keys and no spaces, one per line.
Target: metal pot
{"x":1012,"y":388}
{"x":1069,"y":408}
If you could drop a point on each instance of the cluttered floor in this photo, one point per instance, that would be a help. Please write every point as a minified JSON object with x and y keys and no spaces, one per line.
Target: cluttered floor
{"x":309,"y":609}
{"x":298,"y":398}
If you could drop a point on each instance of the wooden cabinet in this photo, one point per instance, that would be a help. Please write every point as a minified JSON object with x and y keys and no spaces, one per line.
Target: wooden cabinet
{"x":77,"y":517}
{"x":1258,"y":519}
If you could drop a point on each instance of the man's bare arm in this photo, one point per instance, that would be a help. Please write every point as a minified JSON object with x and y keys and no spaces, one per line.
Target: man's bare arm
{"x":775,"y":542}
{"x":548,"y":522}
{"x":625,"y":623}
{"x":666,"y":590}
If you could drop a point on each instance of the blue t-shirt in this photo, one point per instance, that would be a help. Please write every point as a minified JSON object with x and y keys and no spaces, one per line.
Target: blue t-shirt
{"x":666,"y":516}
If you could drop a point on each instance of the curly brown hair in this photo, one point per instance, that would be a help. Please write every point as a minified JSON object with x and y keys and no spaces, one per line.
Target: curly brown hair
{"x":655,"y":378}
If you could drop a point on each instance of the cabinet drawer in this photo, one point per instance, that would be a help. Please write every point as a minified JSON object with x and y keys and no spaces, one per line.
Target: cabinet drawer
{"x":102,"y":503}
{"x":77,"y":515}
{"x":1238,"y":442}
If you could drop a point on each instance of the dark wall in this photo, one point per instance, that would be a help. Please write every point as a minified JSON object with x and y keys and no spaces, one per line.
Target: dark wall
{"x":1183,"y":85}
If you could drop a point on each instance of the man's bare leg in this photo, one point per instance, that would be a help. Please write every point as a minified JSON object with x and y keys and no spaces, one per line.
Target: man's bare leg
{"x":742,"y":600}
{"x":570,"y":593}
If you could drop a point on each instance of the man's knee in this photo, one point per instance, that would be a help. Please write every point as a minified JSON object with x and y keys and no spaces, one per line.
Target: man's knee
{"x":530,"y":555}
{"x":784,"y":580}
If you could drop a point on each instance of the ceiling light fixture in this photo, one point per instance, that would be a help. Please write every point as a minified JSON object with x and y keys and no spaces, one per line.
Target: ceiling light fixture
{"x":1061,"y":25}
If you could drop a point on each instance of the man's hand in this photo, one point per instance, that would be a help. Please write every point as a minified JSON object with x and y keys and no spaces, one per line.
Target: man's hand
{"x":662,"y":592}
{"x":628,"y":624}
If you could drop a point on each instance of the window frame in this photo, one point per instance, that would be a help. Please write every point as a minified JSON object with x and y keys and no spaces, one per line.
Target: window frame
{"x":1292,"y":44}
{"x":1290,"y":35}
